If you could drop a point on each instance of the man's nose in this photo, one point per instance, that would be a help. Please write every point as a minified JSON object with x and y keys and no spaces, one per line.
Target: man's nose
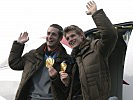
{"x":70,"y":39}
{"x":50,"y":35}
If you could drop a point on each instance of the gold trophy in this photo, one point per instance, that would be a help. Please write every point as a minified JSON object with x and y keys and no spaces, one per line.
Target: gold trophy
{"x":49,"y":62}
{"x":63,"y":66}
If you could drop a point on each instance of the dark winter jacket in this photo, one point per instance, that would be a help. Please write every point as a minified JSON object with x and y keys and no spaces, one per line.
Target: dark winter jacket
{"x":92,"y":60}
{"x":30,"y":63}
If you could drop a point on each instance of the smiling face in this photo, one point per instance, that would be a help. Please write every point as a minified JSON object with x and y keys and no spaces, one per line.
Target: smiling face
{"x":53,"y":38}
{"x":74,"y":39}
{"x":74,"y":35}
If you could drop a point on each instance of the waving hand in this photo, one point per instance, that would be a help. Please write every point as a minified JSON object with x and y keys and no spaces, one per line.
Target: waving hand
{"x":92,"y":8}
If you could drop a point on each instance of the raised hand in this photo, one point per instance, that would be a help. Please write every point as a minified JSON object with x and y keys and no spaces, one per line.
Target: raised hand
{"x":23,"y":37}
{"x":92,"y":8}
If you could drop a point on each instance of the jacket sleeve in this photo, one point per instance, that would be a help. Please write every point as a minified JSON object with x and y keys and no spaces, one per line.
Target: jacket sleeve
{"x":15,"y":59}
{"x":107,"y":30}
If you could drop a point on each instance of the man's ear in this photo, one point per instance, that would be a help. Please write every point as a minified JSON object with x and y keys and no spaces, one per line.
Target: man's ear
{"x":82,"y":36}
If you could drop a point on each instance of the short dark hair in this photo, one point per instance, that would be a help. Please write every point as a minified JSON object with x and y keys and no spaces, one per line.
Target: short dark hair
{"x":58,"y":27}
{"x":74,"y":28}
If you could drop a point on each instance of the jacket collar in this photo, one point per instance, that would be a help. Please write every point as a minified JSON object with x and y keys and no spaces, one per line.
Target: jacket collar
{"x":84,"y":44}
{"x":79,"y":50}
{"x":61,"y":52}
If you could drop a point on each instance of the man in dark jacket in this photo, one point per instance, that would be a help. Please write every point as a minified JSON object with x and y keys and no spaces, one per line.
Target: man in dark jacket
{"x":92,"y":56}
{"x":41,"y":67}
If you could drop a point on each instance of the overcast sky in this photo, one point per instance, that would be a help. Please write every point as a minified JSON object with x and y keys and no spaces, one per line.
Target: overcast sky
{"x":34,"y":16}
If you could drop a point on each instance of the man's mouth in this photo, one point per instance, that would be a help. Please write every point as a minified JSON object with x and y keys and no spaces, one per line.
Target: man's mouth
{"x":50,"y":41}
{"x":72,"y":43}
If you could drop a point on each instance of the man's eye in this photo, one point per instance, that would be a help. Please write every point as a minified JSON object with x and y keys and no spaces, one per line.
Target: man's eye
{"x":67,"y":38}
{"x":53,"y":33}
{"x":48,"y":33}
{"x":72,"y":36}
